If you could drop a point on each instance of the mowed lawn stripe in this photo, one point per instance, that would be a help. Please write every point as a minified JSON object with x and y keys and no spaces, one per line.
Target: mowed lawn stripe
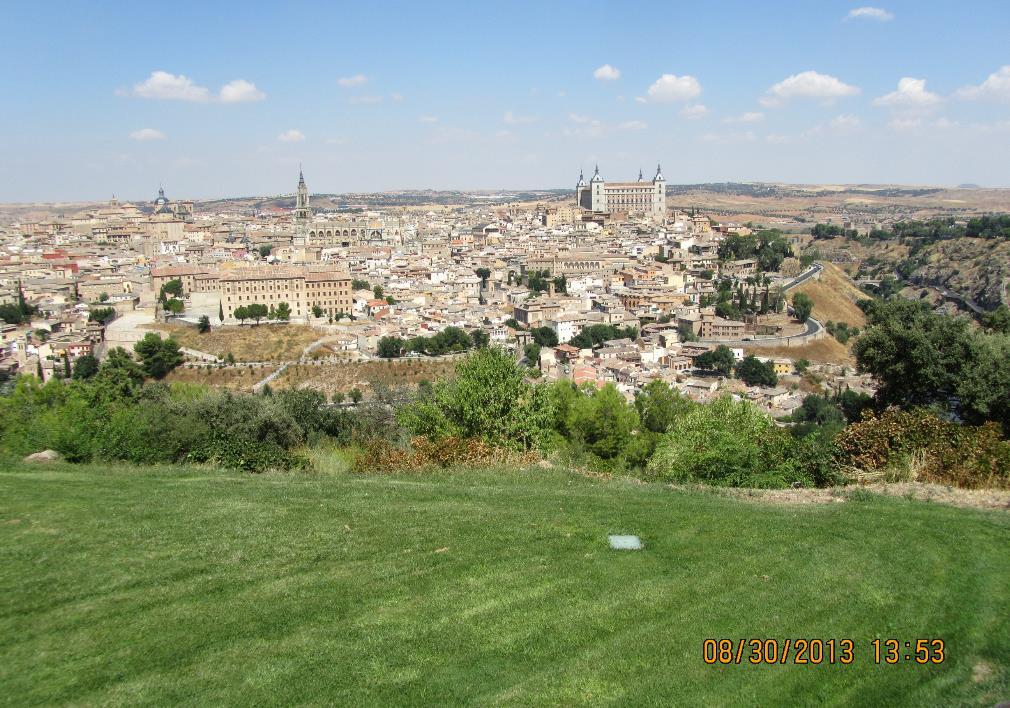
{"x":125,"y":585}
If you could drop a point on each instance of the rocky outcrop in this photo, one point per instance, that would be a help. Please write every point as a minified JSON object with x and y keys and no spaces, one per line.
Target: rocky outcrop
{"x":44,"y":456}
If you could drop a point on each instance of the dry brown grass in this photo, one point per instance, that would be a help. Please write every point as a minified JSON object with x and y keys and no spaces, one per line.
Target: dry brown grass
{"x":823,"y":351}
{"x":239,"y":378}
{"x":330,"y":378}
{"x":966,"y":498}
{"x":265,"y":342}
{"x":835,"y":297}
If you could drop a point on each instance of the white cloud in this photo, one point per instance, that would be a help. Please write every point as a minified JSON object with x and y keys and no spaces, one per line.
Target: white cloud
{"x":427,"y":119}
{"x":845,"y":123}
{"x":905,"y":125}
{"x":808,"y":84}
{"x":241,"y":91}
{"x":911,"y":94}
{"x":291,"y":136}
{"x":145,"y":134}
{"x":779,"y":139}
{"x":996,"y":87}
{"x":512,"y":118}
{"x":670,"y":88}
{"x":870,"y":13}
{"x":920,"y":125}
{"x":352,"y":81}
{"x":746,"y":136}
{"x":170,"y":87}
{"x":694,"y":111}
{"x":748,"y":117}
{"x":585,"y":126}
{"x":364,"y":100}
{"x":607,"y":73}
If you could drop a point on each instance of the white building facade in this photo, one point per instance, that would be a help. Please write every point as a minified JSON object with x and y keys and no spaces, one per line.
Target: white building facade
{"x":639,"y":197}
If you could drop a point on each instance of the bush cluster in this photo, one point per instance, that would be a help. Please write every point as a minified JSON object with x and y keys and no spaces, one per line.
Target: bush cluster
{"x":917,"y":445}
{"x":112,"y":417}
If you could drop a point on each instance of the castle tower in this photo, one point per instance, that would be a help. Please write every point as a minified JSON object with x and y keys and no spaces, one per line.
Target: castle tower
{"x":599,"y":195}
{"x":582,"y":192}
{"x":659,"y":196}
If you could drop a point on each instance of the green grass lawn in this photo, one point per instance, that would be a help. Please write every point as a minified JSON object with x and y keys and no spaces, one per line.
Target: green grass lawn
{"x":130,"y":586}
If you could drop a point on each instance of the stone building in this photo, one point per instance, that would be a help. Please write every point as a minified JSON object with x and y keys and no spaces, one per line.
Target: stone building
{"x":641,"y":197}
{"x":301,"y":288}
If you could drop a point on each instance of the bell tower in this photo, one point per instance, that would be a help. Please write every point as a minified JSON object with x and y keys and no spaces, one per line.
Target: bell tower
{"x":302,"y":211}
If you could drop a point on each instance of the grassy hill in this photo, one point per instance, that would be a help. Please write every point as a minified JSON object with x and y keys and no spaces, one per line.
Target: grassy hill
{"x":125,"y":585}
{"x":835,"y":297}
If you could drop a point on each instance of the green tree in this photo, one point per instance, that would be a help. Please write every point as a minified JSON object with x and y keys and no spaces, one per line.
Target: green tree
{"x":104,"y":297}
{"x":998,"y":320}
{"x":490,"y":399}
{"x":220,"y":312}
{"x":173,"y":306}
{"x":658,"y":406}
{"x":102,"y":314}
{"x":603,"y":422}
{"x":727,"y":443}
{"x":172,"y":288}
{"x":283,"y":312}
{"x":85,"y":367}
{"x":317,"y":311}
{"x":390,"y":347}
{"x":356,"y":395}
{"x":754,"y":372}
{"x":720,"y":360}
{"x":484,"y":274}
{"x":338,"y":397}
{"x":377,"y":291}
{"x":265,"y":250}
{"x":545,"y":336}
{"x":358,"y":284}
{"x":801,"y":366}
{"x":802,"y":306}
{"x":917,"y":357}
{"x":203,"y":326}
{"x":241,"y":313}
{"x":480,"y":338}
{"x":257,"y":312}
{"x":853,"y":404}
{"x":118,"y":378}
{"x":158,"y":356}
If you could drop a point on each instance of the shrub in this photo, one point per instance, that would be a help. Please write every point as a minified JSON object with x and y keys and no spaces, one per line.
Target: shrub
{"x":928,"y":447}
{"x":729,"y":443}
{"x":379,"y":455}
{"x":489,"y":399}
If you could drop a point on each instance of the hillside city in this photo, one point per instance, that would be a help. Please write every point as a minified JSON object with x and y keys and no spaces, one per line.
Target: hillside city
{"x":606,"y":285}
{"x":505,"y":354}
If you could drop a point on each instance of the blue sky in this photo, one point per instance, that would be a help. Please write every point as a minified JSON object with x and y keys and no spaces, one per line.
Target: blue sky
{"x":225,"y":99}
